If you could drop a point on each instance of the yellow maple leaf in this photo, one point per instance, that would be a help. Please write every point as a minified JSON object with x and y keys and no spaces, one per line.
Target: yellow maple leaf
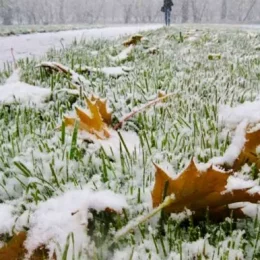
{"x":197,"y":190}
{"x":92,"y":123}
{"x":102,"y":106}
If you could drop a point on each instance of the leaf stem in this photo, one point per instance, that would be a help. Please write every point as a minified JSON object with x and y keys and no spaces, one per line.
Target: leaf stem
{"x":133,"y":113}
{"x":133,"y":224}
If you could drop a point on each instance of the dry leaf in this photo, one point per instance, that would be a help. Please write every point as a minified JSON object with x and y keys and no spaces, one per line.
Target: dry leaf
{"x":102,"y":106}
{"x":197,"y":190}
{"x":93,"y":123}
{"x":133,"y":40}
{"x":14,"y":249}
{"x":249,"y":154}
{"x":220,"y":213}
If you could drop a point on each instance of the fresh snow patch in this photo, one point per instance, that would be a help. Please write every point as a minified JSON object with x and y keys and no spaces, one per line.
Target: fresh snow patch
{"x":7,"y":219}
{"x":122,"y":56}
{"x":58,"y":217}
{"x":234,"y":183}
{"x":112,"y":144}
{"x":37,"y":44}
{"x":251,"y":210}
{"x":109,"y":71}
{"x":15,"y":90}
{"x":23,"y":93}
{"x":76,"y":79}
{"x":14,"y":78}
{"x":232,"y":116}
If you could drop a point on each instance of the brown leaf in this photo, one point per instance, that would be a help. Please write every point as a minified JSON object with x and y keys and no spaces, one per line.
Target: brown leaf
{"x":133,"y":40}
{"x":220,"y":213}
{"x":14,"y":249}
{"x":249,"y":154}
{"x":197,"y":190}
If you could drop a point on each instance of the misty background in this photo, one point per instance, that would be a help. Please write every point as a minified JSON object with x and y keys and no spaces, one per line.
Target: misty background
{"x":126,"y":11}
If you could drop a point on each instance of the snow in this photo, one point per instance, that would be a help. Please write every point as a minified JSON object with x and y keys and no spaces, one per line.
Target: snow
{"x":112,"y":144}
{"x":109,"y":71}
{"x":7,"y":219}
{"x":14,"y":90}
{"x":123,"y":55}
{"x":232,"y":116}
{"x":249,"y":209}
{"x":235,"y":147}
{"x":34,"y":45}
{"x":24,"y":93}
{"x":234,"y":183}
{"x":57,"y":218}
{"x":76,"y":79}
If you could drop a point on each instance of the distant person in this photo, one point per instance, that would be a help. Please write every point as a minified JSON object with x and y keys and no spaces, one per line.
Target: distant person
{"x":167,"y":8}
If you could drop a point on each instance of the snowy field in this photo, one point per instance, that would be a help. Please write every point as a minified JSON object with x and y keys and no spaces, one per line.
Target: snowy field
{"x":132,"y":149}
{"x":33,"y":45}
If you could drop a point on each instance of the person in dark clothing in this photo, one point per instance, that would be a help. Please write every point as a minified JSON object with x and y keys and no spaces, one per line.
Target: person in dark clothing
{"x":167,"y":8}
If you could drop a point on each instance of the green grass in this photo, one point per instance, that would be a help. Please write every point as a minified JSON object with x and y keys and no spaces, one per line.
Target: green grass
{"x":37,"y":162}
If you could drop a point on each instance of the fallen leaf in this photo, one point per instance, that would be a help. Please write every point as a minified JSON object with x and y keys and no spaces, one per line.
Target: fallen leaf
{"x":220,"y":213}
{"x":133,"y":40}
{"x":123,"y":55}
{"x":92,"y":123}
{"x":197,"y":190}
{"x":102,"y":106}
{"x":249,"y":154}
{"x":15,"y":250}
{"x":76,"y":79}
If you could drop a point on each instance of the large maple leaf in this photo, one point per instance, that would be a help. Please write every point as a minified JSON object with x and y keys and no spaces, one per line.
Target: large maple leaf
{"x":196,"y":190}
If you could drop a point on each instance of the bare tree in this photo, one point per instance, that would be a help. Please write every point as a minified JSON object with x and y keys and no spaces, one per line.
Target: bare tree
{"x":185,"y":11}
{"x":126,"y":11}
{"x":249,"y":10}
{"x":224,"y":10}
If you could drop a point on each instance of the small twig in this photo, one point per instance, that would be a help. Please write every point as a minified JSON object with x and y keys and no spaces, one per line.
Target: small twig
{"x":133,"y":224}
{"x":133,"y":113}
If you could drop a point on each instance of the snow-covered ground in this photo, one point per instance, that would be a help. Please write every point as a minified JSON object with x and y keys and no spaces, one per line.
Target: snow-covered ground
{"x":37,"y":44}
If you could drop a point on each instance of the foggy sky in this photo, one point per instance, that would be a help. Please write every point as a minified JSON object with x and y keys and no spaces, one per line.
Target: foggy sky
{"x":126,"y":11}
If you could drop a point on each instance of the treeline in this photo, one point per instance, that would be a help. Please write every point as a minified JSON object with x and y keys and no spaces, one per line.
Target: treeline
{"x":126,"y":11}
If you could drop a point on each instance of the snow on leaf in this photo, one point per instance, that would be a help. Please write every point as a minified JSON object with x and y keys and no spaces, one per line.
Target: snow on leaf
{"x":242,"y":150}
{"x":122,"y":56}
{"x":249,"y":152}
{"x":76,"y":79}
{"x":114,"y":72}
{"x":56,"y":218}
{"x":198,"y":191}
